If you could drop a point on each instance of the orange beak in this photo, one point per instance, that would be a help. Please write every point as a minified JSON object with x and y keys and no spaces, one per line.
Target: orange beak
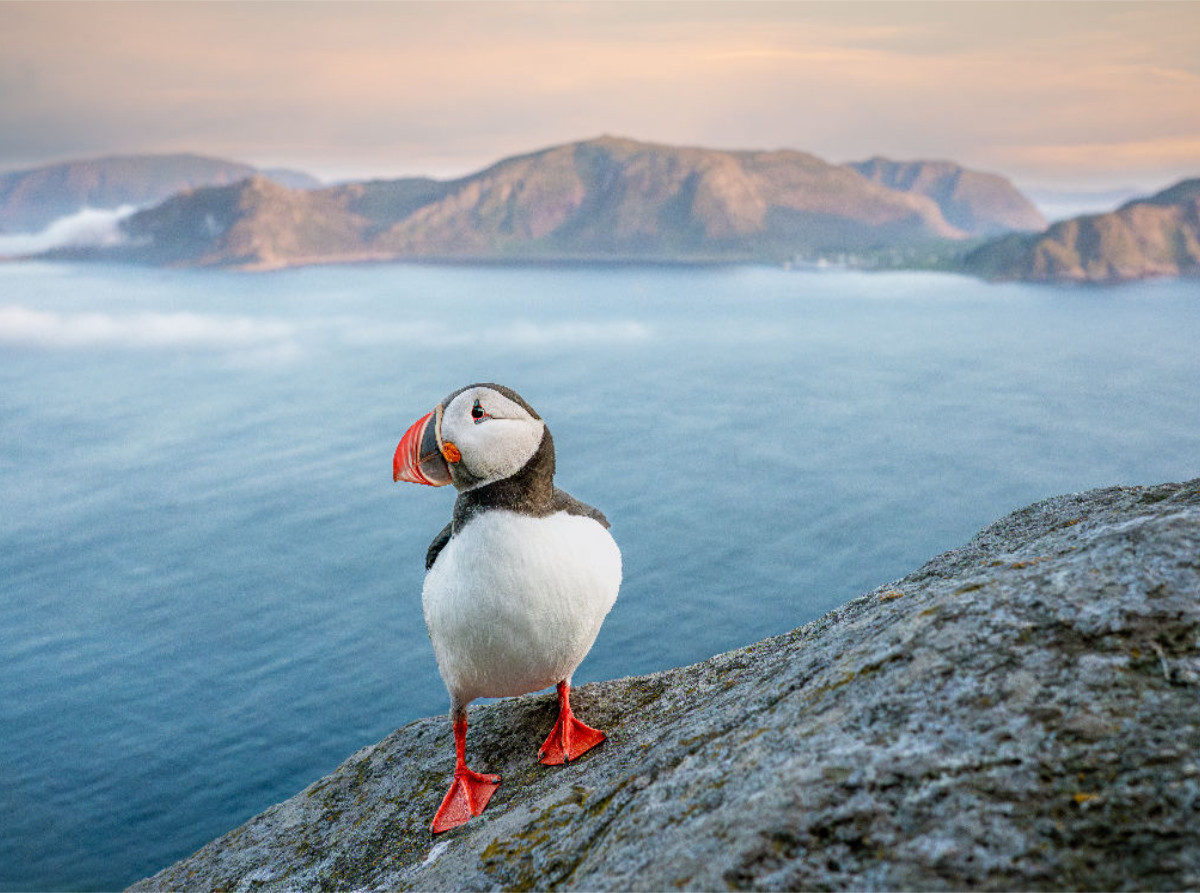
{"x":418,"y":458}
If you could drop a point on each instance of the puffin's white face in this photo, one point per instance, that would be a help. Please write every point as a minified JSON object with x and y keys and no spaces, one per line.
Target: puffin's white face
{"x":486,"y":437}
{"x":476,"y":436}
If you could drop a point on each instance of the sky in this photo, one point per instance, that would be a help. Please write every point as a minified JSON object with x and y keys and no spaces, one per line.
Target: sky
{"x":1072,"y":96}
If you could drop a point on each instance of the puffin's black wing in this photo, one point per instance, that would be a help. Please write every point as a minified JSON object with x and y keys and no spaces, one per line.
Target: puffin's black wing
{"x":439,"y":543}
{"x":565,"y":502}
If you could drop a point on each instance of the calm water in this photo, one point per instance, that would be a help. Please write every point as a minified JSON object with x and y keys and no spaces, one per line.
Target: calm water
{"x":211,"y":587}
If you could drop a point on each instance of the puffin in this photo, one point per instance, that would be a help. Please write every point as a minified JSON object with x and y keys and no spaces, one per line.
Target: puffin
{"x":518,"y":583}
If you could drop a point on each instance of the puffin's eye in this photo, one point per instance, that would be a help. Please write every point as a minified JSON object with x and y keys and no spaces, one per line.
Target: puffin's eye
{"x":477,"y":412}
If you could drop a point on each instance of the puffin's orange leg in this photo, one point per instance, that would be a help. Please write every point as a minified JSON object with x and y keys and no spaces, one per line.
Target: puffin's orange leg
{"x":570,"y":738}
{"x":469,"y":792}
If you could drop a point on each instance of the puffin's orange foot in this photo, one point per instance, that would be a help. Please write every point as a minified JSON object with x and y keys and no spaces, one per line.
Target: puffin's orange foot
{"x":468,"y":795}
{"x":570,"y":740}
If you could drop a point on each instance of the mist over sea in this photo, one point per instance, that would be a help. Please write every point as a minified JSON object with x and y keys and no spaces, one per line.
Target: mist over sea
{"x":210,"y":586}
{"x":87,"y":228}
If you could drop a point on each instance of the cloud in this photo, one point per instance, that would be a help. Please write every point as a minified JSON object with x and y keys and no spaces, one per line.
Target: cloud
{"x":527,"y":334}
{"x":522,"y":334}
{"x":152,"y":331}
{"x":280,"y":340}
{"x":85,"y":228}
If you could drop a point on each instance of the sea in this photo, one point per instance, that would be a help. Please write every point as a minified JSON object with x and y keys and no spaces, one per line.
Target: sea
{"x":210,"y":587}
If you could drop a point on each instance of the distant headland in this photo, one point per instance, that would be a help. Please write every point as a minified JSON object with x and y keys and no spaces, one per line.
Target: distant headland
{"x":605,"y":200}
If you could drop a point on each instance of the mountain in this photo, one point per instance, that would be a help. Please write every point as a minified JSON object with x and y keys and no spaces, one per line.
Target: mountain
{"x":254,"y":223}
{"x":600,"y":199}
{"x":259,"y":224}
{"x":617,"y":198}
{"x":980,"y":204}
{"x":31,"y":200}
{"x":1155,"y":236}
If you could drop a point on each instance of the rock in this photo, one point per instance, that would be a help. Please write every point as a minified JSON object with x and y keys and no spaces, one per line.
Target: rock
{"x":1020,"y":713}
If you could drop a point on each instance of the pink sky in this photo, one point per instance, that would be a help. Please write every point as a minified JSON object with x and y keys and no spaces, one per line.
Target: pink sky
{"x":1078,"y":95}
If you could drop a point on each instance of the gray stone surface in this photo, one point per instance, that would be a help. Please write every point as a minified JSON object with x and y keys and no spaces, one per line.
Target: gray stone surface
{"x":1020,"y":713}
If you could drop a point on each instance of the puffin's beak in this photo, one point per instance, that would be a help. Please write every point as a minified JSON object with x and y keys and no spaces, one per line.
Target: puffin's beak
{"x":418,"y":458}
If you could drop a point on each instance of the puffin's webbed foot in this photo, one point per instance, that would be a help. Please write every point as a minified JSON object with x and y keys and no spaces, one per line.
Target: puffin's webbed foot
{"x":468,"y":796}
{"x":470,"y":791}
{"x":570,"y":738}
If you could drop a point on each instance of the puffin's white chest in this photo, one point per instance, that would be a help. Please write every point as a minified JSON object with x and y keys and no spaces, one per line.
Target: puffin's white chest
{"x":513,"y":603}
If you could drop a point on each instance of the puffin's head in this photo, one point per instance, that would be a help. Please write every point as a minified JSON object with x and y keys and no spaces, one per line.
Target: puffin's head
{"x":479,"y":434}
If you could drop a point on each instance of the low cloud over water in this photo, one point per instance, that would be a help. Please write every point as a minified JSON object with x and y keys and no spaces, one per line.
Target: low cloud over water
{"x":26,"y":327}
{"x":86,"y":228}
{"x":38,"y":328}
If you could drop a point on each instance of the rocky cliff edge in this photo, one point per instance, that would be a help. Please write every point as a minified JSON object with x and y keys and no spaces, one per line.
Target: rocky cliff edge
{"x":1020,"y":713}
